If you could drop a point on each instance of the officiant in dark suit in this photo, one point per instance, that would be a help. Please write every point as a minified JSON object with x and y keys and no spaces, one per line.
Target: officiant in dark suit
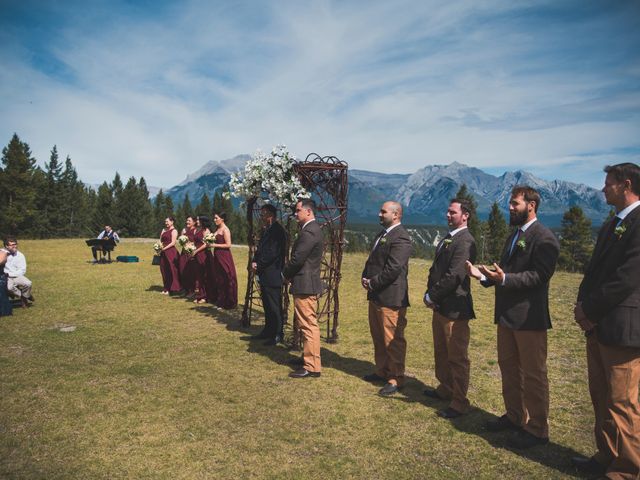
{"x":521,"y":282}
{"x":385,"y":279}
{"x":608,"y":311}
{"x":449,"y":296}
{"x":303,"y":271}
{"x":267,"y":263}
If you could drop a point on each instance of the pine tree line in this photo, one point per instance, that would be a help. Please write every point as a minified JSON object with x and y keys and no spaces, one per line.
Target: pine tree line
{"x":53,"y":202}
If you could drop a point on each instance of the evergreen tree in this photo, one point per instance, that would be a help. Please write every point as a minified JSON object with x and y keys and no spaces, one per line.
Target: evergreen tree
{"x":576,"y":243}
{"x":117,"y":190}
{"x":186,"y":208}
{"x":18,"y":180}
{"x":204,"y":207}
{"x":51,"y":199}
{"x":473,"y":223}
{"x":496,"y":233}
{"x":104,"y":208}
{"x":147,"y":224}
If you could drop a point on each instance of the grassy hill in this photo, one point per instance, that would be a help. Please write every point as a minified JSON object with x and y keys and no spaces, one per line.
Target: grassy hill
{"x":154,"y":387}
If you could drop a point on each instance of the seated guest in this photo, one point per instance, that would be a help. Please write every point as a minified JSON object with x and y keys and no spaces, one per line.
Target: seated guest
{"x":16,"y":268}
{"x":5,"y":304}
{"x":108,"y":233}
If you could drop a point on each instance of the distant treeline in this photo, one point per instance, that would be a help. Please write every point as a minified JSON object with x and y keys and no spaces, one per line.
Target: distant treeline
{"x":53,"y":202}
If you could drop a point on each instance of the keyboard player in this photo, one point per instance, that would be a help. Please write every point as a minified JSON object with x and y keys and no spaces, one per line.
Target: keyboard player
{"x":107,"y":234}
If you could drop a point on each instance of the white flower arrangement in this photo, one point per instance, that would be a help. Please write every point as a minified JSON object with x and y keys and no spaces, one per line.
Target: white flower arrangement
{"x":183,"y":240}
{"x":209,"y":239}
{"x":189,"y":248}
{"x":157,"y":248}
{"x":272,"y":174}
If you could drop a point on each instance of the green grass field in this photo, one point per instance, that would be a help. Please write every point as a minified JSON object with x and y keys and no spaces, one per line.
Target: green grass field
{"x":154,"y":387}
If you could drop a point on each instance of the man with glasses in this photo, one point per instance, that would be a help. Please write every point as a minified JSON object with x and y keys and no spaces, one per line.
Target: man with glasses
{"x":18,"y":285}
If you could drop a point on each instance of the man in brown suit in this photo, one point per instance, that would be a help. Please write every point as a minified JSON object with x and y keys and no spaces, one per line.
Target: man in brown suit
{"x":449,"y":296}
{"x":608,"y":310}
{"x":385,"y":279}
{"x":303,"y":271}
{"x":521,"y":311}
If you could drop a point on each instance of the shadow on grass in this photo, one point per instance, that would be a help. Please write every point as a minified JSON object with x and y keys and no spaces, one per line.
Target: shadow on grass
{"x":552,"y":455}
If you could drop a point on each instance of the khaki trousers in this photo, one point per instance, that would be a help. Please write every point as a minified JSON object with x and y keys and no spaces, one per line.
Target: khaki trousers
{"x":305,"y":307}
{"x":19,"y":286}
{"x":614,"y":374}
{"x":450,"y":349}
{"x":522,"y":357}
{"x":387,"y":326}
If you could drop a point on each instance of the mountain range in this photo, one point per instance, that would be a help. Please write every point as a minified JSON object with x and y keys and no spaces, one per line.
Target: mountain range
{"x":424,"y":194}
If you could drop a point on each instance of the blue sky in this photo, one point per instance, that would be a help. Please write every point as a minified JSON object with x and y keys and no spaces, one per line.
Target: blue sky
{"x":158,"y":88}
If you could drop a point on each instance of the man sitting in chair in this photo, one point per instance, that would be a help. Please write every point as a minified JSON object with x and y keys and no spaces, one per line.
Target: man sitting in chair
{"x":107,"y":233}
{"x":18,"y":285}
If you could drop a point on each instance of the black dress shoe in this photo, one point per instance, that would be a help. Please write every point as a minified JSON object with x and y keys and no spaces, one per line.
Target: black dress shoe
{"x":373,"y":377}
{"x":433,"y":393}
{"x":500,"y":424}
{"x":523,"y":440}
{"x":388,"y":390}
{"x":588,"y":465}
{"x":449,"y":413}
{"x":303,"y":373}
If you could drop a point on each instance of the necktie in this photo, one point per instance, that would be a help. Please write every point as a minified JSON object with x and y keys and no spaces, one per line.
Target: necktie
{"x":440,"y":245}
{"x":380,"y":237}
{"x":515,"y":241}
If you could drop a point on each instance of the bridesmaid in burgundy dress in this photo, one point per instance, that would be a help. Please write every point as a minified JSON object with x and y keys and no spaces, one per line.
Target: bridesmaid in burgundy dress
{"x":169,"y":258}
{"x":223,"y":269}
{"x":199,"y":258}
{"x":187,"y":278}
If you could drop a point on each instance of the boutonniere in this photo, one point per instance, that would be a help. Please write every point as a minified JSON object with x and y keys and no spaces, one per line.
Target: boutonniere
{"x":521,"y":244}
{"x":447,"y":242}
{"x":383,"y":240}
{"x":619,"y":231}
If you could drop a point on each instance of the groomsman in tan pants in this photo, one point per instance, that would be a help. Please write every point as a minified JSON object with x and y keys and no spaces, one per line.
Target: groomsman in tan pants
{"x":385,"y":279}
{"x":449,"y":296}
{"x":303,"y":271}
{"x":608,"y":310}
{"x":521,"y":283}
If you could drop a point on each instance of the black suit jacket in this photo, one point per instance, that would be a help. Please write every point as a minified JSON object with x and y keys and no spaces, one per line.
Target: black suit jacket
{"x":304,"y":265}
{"x":610,"y":289}
{"x":270,"y":255}
{"x":523,"y":302}
{"x":387,"y":268}
{"x":448,"y":285}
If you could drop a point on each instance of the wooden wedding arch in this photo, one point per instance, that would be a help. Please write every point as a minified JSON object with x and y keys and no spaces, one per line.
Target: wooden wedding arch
{"x":325,"y":178}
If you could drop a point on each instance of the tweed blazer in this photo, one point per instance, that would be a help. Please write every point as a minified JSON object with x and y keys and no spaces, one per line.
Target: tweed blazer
{"x":448,"y":285}
{"x":304,"y":265}
{"x":610,"y":289}
{"x":387,"y":268}
{"x":522,"y":303}
{"x":269,"y":255}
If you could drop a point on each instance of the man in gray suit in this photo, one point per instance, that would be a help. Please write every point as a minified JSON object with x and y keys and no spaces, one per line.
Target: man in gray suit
{"x":303,"y":271}
{"x":521,"y":282}
{"x":608,"y":311}
{"x":385,"y":279}
{"x":449,"y":296}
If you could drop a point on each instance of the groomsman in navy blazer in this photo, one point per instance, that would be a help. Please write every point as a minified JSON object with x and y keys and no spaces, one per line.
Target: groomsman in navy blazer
{"x":608,"y":311}
{"x":521,"y":282}
{"x":449,"y":296}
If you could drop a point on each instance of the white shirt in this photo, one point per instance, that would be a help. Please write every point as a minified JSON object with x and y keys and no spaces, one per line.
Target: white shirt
{"x":16,"y":265}
{"x":104,"y":234}
{"x":622,"y":214}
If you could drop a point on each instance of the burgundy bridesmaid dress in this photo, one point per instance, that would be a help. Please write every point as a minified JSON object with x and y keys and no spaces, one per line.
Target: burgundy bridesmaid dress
{"x":187,"y":273}
{"x":199,"y":263}
{"x":224,"y":276}
{"x":169,"y":264}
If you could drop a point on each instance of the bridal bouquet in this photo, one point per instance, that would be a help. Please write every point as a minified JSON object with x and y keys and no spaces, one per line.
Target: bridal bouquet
{"x":210,"y":239}
{"x":157,"y":248}
{"x":182,"y":240}
{"x":273,"y":174}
